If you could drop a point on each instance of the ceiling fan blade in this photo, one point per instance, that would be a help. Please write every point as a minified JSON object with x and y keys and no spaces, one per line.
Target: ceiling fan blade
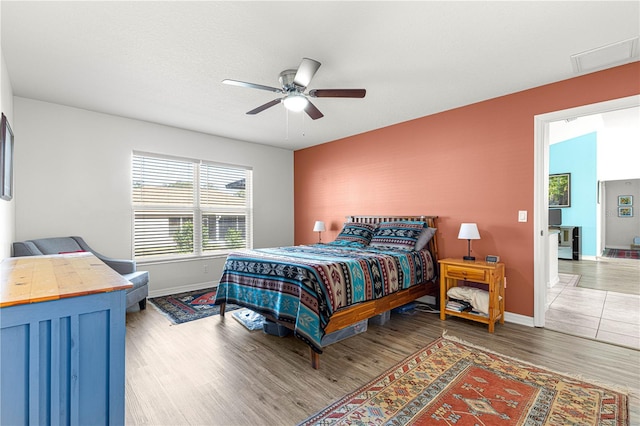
{"x":337,"y":93}
{"x":312,"y":111}
{"x":306,"y":71}
{"x":252,"y":85}
{"x":265,"y":106}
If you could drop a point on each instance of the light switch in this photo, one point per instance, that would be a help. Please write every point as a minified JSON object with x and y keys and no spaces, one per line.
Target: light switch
{"x":522,"y":216}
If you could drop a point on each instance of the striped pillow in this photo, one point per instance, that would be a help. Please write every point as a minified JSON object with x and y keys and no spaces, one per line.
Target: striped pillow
{"x":356,"y":233}
{"x":400,"y":235}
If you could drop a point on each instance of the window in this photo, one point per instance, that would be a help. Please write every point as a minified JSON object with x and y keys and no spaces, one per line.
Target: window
{"x":186,"y":207}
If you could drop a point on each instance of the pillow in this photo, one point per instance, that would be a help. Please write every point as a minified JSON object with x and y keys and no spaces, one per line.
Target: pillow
{"x":353,"y":232}
{"x":425,"y":237}
{"x":402,"y":234}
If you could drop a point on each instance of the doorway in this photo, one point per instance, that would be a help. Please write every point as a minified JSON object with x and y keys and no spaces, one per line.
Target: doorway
{"x":541,"y":188}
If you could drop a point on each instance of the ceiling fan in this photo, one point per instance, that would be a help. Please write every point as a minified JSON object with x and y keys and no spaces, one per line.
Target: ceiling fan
{"x":294,"y":83}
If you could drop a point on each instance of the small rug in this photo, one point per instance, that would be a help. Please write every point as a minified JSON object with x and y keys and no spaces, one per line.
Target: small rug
{"x":250,"y":319}
{"x":451,"y":382}
{"x":189,"y":306}
{"x":621,"y":254}
{"x":568,"y":280}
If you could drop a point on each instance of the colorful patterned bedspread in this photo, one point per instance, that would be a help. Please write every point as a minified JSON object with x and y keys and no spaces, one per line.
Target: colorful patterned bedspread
{"x":304,"y":285}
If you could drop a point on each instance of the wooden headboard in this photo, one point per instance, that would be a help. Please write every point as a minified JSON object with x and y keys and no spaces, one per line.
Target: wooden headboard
{"x":430,"y":220}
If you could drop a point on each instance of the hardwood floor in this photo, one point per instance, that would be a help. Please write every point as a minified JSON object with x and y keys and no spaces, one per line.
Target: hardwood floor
{"x":617,"y":275}
{"x":215,"y":372}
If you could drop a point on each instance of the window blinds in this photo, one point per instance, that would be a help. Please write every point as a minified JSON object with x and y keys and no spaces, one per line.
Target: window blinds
{"x":186,"y":207}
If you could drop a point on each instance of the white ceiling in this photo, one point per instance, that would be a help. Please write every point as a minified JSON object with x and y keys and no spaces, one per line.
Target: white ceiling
{"x":627,"y":119}
{"x":163,"y":62}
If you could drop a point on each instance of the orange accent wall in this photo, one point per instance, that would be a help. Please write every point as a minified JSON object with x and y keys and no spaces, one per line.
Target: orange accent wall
{"x":469,"y":164}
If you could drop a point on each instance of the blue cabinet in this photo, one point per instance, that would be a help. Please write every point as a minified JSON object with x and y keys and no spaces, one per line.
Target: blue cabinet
{"x":63,"y":360}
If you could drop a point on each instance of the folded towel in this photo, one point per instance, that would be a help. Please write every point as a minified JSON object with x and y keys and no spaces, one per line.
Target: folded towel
{"x":478,"y":298}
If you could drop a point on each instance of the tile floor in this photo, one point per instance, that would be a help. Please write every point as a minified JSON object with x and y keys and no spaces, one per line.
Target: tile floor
{"x":596,"y":314}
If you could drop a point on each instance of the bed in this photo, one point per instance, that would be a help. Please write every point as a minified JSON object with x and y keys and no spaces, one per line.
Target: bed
{"x":376,"y":263}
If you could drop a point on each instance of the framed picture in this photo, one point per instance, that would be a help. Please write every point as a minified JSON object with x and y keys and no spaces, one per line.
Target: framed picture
{"x":560,"y":190}
{"x":625,"y":200}
{"x":6,"y":159}
{"x":625,"y":211}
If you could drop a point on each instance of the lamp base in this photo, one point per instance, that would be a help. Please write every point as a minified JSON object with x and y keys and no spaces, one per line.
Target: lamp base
{"x":468,"y":258}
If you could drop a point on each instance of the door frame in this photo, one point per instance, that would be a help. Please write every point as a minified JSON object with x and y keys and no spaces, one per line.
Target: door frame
{"x":541,"y":191}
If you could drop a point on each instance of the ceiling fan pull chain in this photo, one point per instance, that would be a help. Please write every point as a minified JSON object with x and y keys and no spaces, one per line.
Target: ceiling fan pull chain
{"x":286,"y":112}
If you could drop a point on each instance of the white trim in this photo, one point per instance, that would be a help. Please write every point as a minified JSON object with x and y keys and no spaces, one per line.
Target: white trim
{"x":173,"y":260}
{"x":540,"y":220}
{"x":518,"y":319}
{"x":589,"y":257}
{"x":541,"y":188}
{"x":182,"y":289}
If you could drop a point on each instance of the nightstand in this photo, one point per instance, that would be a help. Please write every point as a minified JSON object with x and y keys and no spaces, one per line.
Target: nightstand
{"x":454,"y":272}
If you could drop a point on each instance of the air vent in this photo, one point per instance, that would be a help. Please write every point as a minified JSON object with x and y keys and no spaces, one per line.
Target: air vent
{"x":607,"y":56}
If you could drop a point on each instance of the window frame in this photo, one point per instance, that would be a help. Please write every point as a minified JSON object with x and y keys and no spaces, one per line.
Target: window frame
{"x":195,"y":209}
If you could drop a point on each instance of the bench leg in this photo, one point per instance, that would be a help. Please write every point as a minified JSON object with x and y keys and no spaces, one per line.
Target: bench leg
{"x":222,"y":308}
{"x":143,"y":304}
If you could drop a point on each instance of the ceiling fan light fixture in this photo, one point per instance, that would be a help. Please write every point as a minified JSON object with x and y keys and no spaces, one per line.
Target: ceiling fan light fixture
{"x":295,"y":102}
{"x":294,"y":84}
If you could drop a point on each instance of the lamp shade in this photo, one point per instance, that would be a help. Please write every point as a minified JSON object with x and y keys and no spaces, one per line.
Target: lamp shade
{"x":319,"y":226}
{"x":468,"y":231}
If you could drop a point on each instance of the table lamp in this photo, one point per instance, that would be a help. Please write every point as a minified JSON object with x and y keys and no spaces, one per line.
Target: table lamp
{"x":319,"y":227}
{"x":468,"y":231}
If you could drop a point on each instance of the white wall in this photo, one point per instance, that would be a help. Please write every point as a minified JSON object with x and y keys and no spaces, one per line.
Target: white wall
{"x":620,"y":231}
{"x":7,"y":208}
{"x":618,"y":140}
{"x":617,"y":156}
{"x":618,"y":152}
{"x":73,"y":177}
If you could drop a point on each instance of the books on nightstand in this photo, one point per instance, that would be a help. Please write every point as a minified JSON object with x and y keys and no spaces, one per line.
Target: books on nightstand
{"x":461,"y":306}
{"x":458,"y":305}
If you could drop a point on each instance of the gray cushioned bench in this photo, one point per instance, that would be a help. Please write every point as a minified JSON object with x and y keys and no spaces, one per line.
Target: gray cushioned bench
{"x":127,"y":268}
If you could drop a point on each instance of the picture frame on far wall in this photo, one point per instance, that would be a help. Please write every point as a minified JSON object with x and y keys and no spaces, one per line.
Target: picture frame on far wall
{"x":625,"y":211}
{"x":560,"y":190}
{"x":625,"y":200}
{"x":6,"y":159}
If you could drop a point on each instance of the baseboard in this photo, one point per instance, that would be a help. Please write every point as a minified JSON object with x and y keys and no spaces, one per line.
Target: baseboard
{"x":181,"y":289}
{"x":518,"y":319}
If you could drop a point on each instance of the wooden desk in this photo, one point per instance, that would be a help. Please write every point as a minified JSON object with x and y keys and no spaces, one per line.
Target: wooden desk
{"x":63,"y":340}
{"x":454,"y":271}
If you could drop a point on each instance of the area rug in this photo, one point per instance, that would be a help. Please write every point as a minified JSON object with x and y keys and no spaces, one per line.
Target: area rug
{"x":621,"y":254}
{"x":189,"y":306}
{"x":451,"y":382}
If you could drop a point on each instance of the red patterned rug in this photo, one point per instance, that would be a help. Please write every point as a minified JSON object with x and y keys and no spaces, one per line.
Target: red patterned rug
{"x":189,"y":306}
{"x":621,"y":254}
{"x":454,"y":383}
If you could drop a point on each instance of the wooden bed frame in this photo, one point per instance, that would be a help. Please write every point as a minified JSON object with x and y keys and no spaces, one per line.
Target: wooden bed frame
{"x":350,"y":315}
